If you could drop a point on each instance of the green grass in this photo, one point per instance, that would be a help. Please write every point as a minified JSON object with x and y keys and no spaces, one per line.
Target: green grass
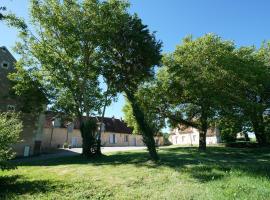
{"x":183,"y":173}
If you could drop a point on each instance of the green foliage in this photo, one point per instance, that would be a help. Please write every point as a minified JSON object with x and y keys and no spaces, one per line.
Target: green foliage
{"x":253,"y":92}
{"x":154,"y":120}
{"x":27,"y":86}
{"x":187,"y":89}
{"x":131,"y":53}
{"x":228,"y":130}
{"x":62,"y":55}
{"x":129,"y":118}
{"x":10,"y":128}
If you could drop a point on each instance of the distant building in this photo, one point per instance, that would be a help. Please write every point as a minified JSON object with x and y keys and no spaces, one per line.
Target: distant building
{"x":190,"y":136}
{"x":30,"y":138}
{"x":115,"y":133}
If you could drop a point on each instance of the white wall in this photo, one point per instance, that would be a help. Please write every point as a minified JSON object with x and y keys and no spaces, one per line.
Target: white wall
{"x":191,"y":138}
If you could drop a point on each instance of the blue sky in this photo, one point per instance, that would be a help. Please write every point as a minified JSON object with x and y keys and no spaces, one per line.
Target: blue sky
{"x":244,"y":21}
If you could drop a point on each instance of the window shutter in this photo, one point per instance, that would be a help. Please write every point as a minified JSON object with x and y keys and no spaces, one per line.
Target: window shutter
{"x":111,"y":138}
{"x":115,"y":139}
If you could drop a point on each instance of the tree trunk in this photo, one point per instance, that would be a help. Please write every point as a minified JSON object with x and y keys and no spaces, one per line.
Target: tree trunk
{"x":147,"y":132}
{"x":88,"y":130}
{"x":246,"y":136}
{"x":100,"y":128}
{"x":203,"y":130}
{"x":259,"y":130}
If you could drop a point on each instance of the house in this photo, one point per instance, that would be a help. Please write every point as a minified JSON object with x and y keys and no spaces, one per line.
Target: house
{"x":116,"y":133}
{"x":190,"y":136}
{"x":30,"y":138}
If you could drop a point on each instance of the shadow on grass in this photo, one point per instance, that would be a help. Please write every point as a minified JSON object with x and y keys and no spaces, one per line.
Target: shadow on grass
{"x":214,"y":163}
{"x":17,"y":185}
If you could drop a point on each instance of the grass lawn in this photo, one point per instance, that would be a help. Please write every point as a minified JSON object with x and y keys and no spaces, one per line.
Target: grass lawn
{"x":182,"y":173}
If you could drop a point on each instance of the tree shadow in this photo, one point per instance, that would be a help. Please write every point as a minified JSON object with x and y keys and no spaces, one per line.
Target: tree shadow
{"x":12,"y":186}
{"x":212,"y":164}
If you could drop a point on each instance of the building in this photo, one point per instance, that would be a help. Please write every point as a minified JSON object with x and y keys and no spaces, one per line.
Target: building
{"x":30,"y":138}
{"x":190,"y":136}
{"x":116,"y":133}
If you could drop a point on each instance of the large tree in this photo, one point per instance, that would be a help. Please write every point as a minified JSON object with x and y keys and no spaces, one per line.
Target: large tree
{"x":195,"y":82}
{"x":63,"y":53}
{"x":254,"y":89}
{"x":131,"y":53}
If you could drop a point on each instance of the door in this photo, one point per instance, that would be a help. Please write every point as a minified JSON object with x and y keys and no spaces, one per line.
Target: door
{"x":37,"y":147}
{"x":133,"y":142}
{"x":74,"y":141}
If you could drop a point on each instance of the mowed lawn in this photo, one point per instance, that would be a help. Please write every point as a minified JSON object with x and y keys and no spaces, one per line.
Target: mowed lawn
{"x":182,"y":173}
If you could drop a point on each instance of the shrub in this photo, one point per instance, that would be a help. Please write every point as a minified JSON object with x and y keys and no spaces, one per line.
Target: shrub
{"x":10,"y":128}
{"x":65,"y":145}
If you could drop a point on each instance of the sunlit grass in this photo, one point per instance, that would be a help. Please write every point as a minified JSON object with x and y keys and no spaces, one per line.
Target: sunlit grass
{"x":182,"y":173}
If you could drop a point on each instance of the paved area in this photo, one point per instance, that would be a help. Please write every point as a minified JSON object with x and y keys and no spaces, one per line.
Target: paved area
{"x":75,"y":151}
{"x":109,"y":149}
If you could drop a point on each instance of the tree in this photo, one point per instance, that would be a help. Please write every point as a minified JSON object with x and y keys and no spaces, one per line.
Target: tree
{"x":156,"y":121}
{"x":10,"y":128}
{"x":132,"y":52}
{"x":63,"y":54}
{"x":188,"y":87}
{"x":254,"y":89}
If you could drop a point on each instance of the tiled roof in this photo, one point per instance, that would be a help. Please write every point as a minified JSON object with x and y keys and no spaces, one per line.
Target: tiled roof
{"x":111,"y":124}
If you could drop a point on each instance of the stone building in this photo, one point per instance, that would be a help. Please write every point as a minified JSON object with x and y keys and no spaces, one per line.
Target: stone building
{"x":30,"y":138}
{"x":116,"y":133}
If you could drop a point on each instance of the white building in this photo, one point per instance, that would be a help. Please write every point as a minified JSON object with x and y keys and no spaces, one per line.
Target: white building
{"x":190,"y":136}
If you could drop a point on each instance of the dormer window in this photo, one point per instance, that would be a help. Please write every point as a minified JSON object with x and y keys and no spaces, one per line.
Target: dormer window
{"x":5,"y":64}
{"x":11,"y":108}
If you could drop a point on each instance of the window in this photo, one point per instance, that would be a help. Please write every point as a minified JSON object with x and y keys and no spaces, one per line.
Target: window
{"x":10,"y":107}
{"x":4,"y":49}
{"x":183,"y":138}
{"x":194,"y":137}
{"x":5,"y":65}
{"x":126,"y":138}
{"x":113,"y":139}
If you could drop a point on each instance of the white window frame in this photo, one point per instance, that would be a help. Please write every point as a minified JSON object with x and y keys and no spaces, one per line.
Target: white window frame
{"x":11,"y":108}
{"x":194,"y":138}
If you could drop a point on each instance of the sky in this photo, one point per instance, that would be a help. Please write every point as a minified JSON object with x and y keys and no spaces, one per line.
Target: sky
{"x":246,"y":22}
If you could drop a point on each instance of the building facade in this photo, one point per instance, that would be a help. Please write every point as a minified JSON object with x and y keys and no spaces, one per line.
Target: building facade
{"x":116,"y":133}
{"x":190,"y":136}
{"x":30,"y":138}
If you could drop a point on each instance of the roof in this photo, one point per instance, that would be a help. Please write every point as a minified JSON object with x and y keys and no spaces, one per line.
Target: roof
{"x":111,"y":124}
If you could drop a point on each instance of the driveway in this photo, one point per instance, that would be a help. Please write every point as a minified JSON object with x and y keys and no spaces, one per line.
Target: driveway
{"x":75,"y":151}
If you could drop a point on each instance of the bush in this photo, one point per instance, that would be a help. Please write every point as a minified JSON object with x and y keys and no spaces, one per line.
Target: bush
{"x":228,"y":136}
{"x":10,"y":128}
{"x":65,"y":145}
